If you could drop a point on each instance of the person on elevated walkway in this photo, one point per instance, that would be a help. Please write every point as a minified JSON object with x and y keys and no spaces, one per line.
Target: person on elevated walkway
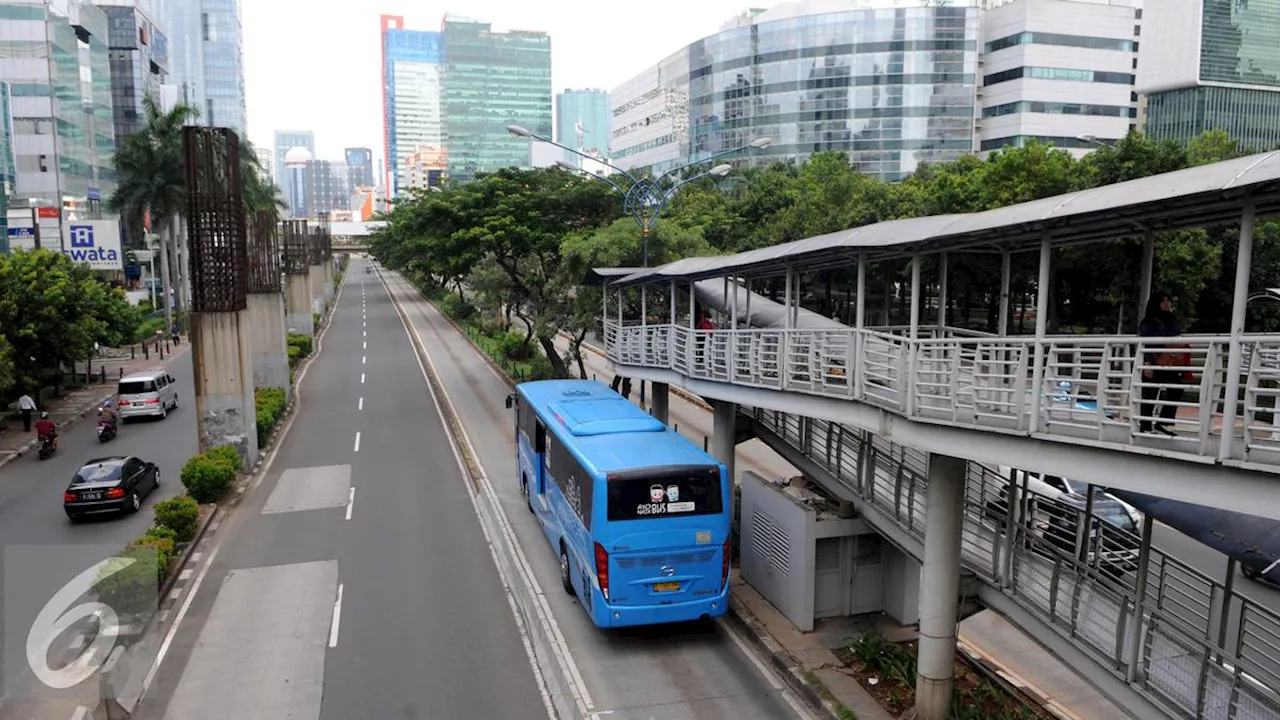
{"x":1160,"y":385}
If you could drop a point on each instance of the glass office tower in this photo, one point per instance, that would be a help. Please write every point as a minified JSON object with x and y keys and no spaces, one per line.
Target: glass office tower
{"x":411,"y":105}
{"x":582,"y":122}
{"x":1230,"y":79}
{"x":492,"y":80}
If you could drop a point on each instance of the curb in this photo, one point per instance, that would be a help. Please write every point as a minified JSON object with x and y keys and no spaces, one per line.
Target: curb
{"x":787,"y":666}
{"x":31,"y":444}
{"x":1011,"y":682}
{"x":186,"y":554}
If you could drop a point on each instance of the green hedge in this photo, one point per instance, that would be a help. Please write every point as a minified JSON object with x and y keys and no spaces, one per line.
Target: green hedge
{"x":300,"y":341}
{"x":179,"y":515}
{"x":269,"y":404}
{"x":148,"y":328}
{"x":208,"y":475}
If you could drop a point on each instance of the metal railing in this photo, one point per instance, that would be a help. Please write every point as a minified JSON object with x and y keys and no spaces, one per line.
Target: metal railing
{"x":1201,"y":650}
{"x":1163,"y":393}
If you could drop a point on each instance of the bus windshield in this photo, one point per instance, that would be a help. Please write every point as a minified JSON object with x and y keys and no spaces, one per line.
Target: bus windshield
{"x":639,"y":498}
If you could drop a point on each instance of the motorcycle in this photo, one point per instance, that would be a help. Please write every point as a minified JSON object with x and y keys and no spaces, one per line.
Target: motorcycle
{"x":106,"y":431}
{"x":48,"y":445}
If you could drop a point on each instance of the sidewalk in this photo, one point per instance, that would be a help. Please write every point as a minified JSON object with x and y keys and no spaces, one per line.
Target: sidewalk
{"x":75,"y":404}
{"x":997,"y":643}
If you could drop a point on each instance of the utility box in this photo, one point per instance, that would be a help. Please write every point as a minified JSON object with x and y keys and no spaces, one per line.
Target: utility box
{"x":802,"y":556}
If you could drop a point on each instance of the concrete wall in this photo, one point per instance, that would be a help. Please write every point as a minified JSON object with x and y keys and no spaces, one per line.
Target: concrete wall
{"x":298,"y":316}
{"x":266,"y":318}
{"x":221,"y":355}
{"x":318,"y":294}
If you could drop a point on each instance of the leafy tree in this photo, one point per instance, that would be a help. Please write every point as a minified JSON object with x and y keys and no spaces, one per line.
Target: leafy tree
{"x":53,"y":311}
{"x":6,"y":367}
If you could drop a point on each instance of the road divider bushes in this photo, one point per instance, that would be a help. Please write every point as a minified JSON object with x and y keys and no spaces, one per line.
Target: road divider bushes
{"x":208,"y":475}
{"x":269,"y":404}
{"x":179,"y":515}
{"x":299,"y":347}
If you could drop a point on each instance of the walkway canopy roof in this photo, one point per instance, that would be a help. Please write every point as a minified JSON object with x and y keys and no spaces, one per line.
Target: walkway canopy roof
{"x":1189,"y":198}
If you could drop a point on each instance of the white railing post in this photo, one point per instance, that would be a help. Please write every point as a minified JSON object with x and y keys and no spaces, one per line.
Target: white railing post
{"x":1239,"y":303}
{"x":1042,"y":320}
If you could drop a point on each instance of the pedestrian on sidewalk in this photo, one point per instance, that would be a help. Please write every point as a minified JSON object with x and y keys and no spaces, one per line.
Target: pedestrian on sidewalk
{"x":28,"y":408}
{"x":177,"y":335}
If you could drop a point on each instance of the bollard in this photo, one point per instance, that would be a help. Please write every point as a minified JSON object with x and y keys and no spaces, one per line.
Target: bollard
{"x":121,"y":373}
{"x":104,"y":375}
{"x":160,"y":349}
{"x":676,"y":427}
{"x":146,"y":353}
{"x":705,"y":444}
{"x":133,"y":352}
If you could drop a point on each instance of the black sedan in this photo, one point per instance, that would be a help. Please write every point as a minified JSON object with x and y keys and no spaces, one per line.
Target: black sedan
{"x":110,"y":485}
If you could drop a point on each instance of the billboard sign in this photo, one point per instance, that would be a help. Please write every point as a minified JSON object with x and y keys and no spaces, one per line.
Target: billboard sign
{"x":95,"y":243}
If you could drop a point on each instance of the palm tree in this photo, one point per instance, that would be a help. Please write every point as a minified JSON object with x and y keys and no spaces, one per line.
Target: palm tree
{"x":260,"y":193}
{"x":149,"y":166}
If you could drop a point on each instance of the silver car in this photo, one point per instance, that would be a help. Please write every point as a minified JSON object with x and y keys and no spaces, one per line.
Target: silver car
{"x":150,"y":393}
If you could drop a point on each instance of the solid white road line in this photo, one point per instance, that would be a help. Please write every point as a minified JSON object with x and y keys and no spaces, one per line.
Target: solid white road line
{"x":177,"y":621}
{"x":351,"y":501}
{"x":337,"y":619}
{"x":361,"y":407}
{"x":357,"y":449}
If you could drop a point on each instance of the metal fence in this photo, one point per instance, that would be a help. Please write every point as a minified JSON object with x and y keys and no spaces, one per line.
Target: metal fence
{"x":1194,"y":647}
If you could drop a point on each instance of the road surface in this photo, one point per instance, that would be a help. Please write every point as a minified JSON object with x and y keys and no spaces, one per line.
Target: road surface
{"x":664,"y":673}
{"x":355,"y":581}
{"x":43,"y":550}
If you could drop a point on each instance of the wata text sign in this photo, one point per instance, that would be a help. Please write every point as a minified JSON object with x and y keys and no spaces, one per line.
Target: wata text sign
{"x":94,"y":242}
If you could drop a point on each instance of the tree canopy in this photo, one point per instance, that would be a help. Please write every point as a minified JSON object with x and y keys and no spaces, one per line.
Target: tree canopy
{"x":522,"y":240}
{"x":52,"y":311}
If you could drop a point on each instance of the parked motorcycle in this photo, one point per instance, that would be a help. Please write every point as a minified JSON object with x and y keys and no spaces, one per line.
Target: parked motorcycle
{"x":48,"y":446}
{"x":106,"y":431}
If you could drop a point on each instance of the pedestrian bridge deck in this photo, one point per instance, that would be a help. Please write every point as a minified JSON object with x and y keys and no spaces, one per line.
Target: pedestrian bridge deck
{"x":1094,"y":393}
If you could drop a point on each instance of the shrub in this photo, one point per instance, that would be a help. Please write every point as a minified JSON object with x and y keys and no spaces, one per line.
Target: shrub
{"x":269,"y":404}
{"x":295,"y":357}
{"x":178,"y":515}
{"x":457,"y":308}
{"x":128,"y":583}
{"x":513,"y":347}
{"x":146,"y":330}
{"x":315,"y":320}
{"x":540,"y":368}
{"x":227,"y":454}
{"x":302,"y":342}
{"x":163,"y":533}
{"x":207,"y":479}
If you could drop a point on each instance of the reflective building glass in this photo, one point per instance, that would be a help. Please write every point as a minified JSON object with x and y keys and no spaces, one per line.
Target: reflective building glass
{"x":492,"y":80}
{"x":891,"y":88}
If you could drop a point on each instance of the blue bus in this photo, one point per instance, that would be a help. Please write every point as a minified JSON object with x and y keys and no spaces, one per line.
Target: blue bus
{"x":638,"y":515}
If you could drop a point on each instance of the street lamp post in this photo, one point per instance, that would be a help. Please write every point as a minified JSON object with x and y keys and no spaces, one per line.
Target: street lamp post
{"x":646,"y":198}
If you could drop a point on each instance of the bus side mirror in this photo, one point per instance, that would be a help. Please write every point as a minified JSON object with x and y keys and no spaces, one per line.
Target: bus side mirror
{"x":510,"y":401}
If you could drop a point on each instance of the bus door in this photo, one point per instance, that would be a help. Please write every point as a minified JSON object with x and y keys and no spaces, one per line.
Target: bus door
{"x":539,"y":489}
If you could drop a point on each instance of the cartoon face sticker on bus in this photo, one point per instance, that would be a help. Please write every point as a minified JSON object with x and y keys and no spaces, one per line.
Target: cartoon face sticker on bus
{"x":673,"y":493}
{"x":656,"y":493}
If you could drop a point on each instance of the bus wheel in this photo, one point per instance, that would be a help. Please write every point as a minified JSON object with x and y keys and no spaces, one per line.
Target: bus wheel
{"x":565,"y":579}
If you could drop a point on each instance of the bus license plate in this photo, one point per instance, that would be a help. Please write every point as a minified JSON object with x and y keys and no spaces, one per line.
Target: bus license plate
{"x":666,"y":587}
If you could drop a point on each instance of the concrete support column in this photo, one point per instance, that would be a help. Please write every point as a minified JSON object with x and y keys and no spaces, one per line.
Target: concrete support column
{"x":318,"y":284}
{"x":724,"y":434}
{"x":660,"y":402}
{"x":940,"y":588}
{"x":298,"y":318}
{"x":329,"y":291}
{"x":267,"y":340}
{"x":221,"y":353}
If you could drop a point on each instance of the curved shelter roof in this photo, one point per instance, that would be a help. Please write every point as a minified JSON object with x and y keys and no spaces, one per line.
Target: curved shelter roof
{"x":1177,"y":200}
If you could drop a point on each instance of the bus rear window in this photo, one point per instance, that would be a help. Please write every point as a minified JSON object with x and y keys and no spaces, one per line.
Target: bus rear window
{"x":640,"y":498}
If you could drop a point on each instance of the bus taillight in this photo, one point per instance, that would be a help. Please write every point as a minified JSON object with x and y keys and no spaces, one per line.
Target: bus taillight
{"x":602,"y":569}
{"x":724,"y":565}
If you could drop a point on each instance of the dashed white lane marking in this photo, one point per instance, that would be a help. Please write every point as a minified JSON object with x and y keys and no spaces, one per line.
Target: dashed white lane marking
{"x":361,"y":407}
{"x":357,"y":448}
{"x":186,"y":574}
{"x":364,"y":359}
{"x":361,"y":378}
{"x":78,"y":642}
{"x":351,"y":501}
{"x":173,"y":629}
{"x":337,"y":619}
{"x":365,"y":345}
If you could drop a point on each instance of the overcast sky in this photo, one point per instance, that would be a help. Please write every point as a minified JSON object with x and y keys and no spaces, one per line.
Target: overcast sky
{"x":316,"y":64}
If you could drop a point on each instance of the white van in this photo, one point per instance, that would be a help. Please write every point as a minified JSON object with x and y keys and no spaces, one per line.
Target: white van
{"x":149,"y":393}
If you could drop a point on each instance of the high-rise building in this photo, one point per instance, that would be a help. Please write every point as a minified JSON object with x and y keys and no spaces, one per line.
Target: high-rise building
{"x":492,"y":80}
{"x":139,"y":62}
{"x":284,"y":142}
{"x":582,"y":121}
{"x":360,"y":166}
{"x":1212,"y":65}
{"x":425,"y":168}
{"x":207,"y":61}
{"x":1059,"y":71}
{"x":328,"y":188}
{"x":7,"y":178}
{"x":296,"y":162}
{"x":266,"y":158}
{"x":57,"y":65}
{"x":893,"y":88}
{"x":411,"y":97}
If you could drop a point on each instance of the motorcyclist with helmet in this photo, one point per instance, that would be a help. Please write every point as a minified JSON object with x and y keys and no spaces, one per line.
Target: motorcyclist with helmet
{"x":47,"y":429}
{"x":109,"y":414}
